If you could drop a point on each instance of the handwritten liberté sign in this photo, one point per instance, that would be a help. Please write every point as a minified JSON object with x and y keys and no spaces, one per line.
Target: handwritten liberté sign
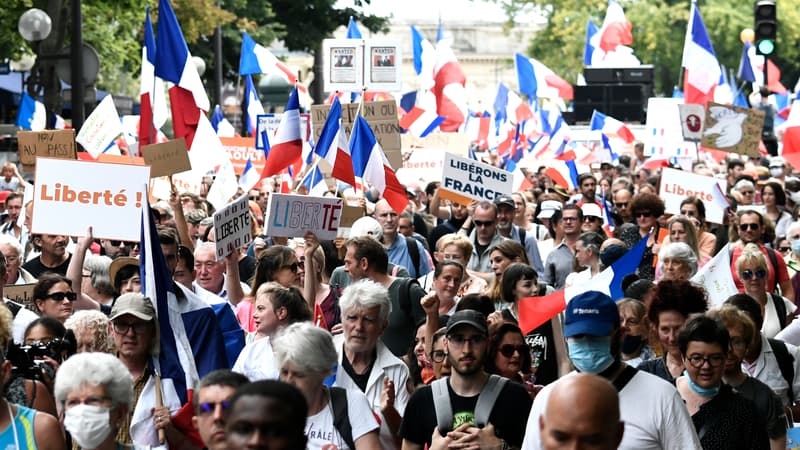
{"x":465,"y":180}
{"x":292,"y":215}
{"x":676,"y":185}
{"x":232,"y":227}
{"x":73,"y":195}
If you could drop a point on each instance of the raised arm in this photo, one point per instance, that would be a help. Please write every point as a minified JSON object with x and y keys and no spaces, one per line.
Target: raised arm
{"x":75,"y":273}
{"x":180,"y":219}
{"x":311,"y":282}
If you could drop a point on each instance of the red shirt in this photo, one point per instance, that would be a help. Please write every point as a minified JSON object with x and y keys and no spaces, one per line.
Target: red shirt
{"x":783,"y":274}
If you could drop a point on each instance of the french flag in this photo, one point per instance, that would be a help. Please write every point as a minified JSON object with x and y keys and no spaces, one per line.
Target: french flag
{"x":515,"y":109}
{"x":610,"y":127}
{"x":249,"y":177}
{"x":153,"y":109}
{"x":588,"y":48}
{"x":751,"y":68}
{"x":286,"y":181}
{"x":420,"y":122}
{"x":424,"y":58}
{"x":314,"y":182}
{"x":534,"y":311}
{"x":537,"y":80}
{"x":188,"y":98}
{"x":371,"y":166}
{"x":332,"y":146}
{"x":253,"y":105}
{"x":31,"y":114}
{"x":222,"y":127}
{"x":449,"y":88}
{"x":702,"y":70}
{"x":615,"y":32}
{"x":563,"y":173}
{"x":286,"y":146}
{"x":257,"y":59}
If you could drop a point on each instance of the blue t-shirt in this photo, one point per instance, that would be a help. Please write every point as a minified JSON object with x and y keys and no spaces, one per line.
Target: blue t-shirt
{"x":23,"y":422}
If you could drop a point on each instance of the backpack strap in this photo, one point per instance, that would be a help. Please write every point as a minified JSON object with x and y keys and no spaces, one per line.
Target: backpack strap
{"x":442,"y":406}
{"x":14,"y":307}
{"x":624,"y":377}
{"x":780,"y":308}
{"x":522,"y":235}
{"x":785,"y":363}
{"x":487,"y":399}
{"x":341,"y":417}
{"x":413,"y":252}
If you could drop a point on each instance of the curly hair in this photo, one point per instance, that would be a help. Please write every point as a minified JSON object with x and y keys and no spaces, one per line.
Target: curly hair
{"x":96,"y":324}
{"x":682,"y":297}
{"x":645,"y":201}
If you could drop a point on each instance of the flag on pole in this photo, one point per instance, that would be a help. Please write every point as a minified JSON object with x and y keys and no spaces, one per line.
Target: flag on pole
{"x":188,"y":98}
{"x":101,"y":129}
{"x":332,"y":145}
{"x":222,"y":127}
{"x":352,"y":30}
{"x":153,"y":103}
{"x":702,"y":72}
{"x":315,"y":183}
{"x":31,"y":114}
{"x":449,"y":87}
{"x":370,"y":165}
{"x":610,"y":127}
{"x":420,"y":122}
{"x":249,"y":177}
{"x":257,"y":59}
{"x":286,"y":146}
{"x":611,"y":41}
{"x":588,"y":48}
{"x":537,"y":80}
{"x":751,"y":68}
{"x":534,"y":311}
{"x":252,"y":104}
{"x":424,"y":58}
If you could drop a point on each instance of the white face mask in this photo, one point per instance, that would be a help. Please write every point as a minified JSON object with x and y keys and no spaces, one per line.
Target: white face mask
{"x":775,"y":171}
{"x":89,"y":425}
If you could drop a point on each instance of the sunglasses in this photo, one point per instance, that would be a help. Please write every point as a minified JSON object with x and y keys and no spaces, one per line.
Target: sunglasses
{"x":508,"y":350}
{"x":293,"y":266}
{"x":749,"y":274}
{"x":751,"y":226}
{"x":60,"y":296}
{"x":591,"y":219}
{"x":209,"y":407}
{"x":483,"y":223}
{"x":117,"y":243}
{"x":644,"y":214}
{"x":747,"y":192}
{"x":784,"y":249}
{"x":621,"y":205}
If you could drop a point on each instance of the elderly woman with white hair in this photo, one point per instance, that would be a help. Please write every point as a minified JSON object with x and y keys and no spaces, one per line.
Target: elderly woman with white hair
{"x":95,"y":391}
{"x":14,"y":253}
{"x":365,"y":363}
{"x":91,"y":331}
{"x":306,"y":356}
{"x":677,"y":261}
{"x":744,"y":191}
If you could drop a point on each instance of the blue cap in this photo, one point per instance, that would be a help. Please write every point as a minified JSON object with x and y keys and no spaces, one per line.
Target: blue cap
{"x":591,"y":313}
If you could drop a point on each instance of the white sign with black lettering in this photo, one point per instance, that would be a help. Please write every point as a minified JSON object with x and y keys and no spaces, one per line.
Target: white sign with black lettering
{"x":232,"y":227}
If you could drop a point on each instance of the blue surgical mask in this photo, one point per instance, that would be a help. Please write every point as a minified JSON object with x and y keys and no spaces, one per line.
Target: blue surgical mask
{"x":699,"y":390}
{"x":796,"y":247}
{"x":592,"y":354}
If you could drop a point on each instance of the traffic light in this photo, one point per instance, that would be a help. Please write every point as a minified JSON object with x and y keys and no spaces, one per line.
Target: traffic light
{"x":766,"y":27}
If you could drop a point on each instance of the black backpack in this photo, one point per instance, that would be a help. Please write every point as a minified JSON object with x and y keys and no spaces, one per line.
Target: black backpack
{"x":785,"y":363}
{"x":341,"y":418}
{"x":413,"y":252}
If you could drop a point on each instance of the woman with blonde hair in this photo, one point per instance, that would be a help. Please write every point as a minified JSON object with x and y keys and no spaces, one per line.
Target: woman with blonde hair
{"x":501,"y":256}
{"x":751,"y":267}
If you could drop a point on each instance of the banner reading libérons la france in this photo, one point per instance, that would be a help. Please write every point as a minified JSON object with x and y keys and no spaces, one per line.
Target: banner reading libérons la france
{"x":465,"y":180}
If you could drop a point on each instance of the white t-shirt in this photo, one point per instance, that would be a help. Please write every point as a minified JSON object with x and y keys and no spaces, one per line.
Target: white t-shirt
{"x":654,"y":415}
{"x":320,"y":430}
{"x":257,"y":361}
{"x":772,"y":326}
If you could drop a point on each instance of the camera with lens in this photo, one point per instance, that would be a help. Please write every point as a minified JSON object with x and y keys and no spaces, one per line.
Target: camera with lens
{"x":27,"y":360}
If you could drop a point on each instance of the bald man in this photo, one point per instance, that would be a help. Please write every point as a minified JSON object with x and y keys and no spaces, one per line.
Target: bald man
{"x":582,"y":413}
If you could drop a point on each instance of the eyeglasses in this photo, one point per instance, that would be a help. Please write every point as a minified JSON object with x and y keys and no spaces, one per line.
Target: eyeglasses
{"x":591,"y":219}
{"x":715,"y":360}
{"x":483,"y":223}
{"x":747,"y":192}
{"x":207,"y":408}
{"x":458,"y":340}
{"x":751,"y":226}
{"x":621,"y":205}
{"x":784,"y":249}
{"x":644,"y":214}
{"x":60,"y":296}
{"x":293,"y":266}
{"x":508,"y":350}
{"x":117,"y":243}
{"x":438,"y":356}
{"x":748,"y":275}
{"x":689,"y":213}
{"x":124,"y":327}
{"x":569,"y":219}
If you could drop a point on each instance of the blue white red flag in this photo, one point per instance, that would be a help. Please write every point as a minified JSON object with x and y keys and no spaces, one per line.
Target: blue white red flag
{"x":610,"y":127}
{"x":257,"y":59}
{"x":221,"y":126}
{"x":371,"y":166}
{"x":702,"y":70}
{"x":286,"y":146}
{"x":31,"y":114}
{"x":588,"y":48}
{"x":332,"y":145}
{"x":610,"y":43}
{"x":537,"y":80}
{"x":250,"y":176}
{"x":252,"y":104}
{"x":315,"y":183}
{"x":751,"y":68}
{"x":424,"y":58}
{"x":449,"y":88}
{"x":153,"y":109}
{"x":420,"y":122}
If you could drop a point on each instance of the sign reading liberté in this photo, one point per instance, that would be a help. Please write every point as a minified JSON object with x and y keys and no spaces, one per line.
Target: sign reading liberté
{"x":465,"y":180}
{"x":232,"y":227}
{"x":291,"y":215}
{"x":71,"y":196}
{"x":676,"y":185}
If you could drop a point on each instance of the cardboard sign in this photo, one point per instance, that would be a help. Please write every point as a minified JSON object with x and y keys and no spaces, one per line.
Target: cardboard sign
{"x":381,"y":117}
{"x":292,"y":215}
{"x":232,"y":227}
{"x":73,"y":195}
{"x":426,"y":159}
{"x":692,"y":118}
{"x":663,"y":131}
{"x":20,"y":293}
{"x":676,"y":185}
{"x":48,"y":144}
{"x":167,"y":158}
{"x":733,"y":129}
{"x":465,"y":180}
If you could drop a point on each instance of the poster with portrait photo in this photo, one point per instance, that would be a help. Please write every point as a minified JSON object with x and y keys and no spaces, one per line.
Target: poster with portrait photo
{"x":384,"y":59}
{"x":343,"y":63}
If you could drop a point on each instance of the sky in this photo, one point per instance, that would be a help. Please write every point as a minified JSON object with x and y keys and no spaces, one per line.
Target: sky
{"x":450,"y":10}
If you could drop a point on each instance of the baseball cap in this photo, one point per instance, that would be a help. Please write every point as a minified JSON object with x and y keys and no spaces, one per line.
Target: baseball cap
{"x":366,"y":226}
{"x":591,"y":209}
{"x":504,"y":199}
{"x":591,"y":313}
{"x":134,"y":304}
{"x":548,"y":208}
{"x":777,"y":161}
{"x":468,"y":317}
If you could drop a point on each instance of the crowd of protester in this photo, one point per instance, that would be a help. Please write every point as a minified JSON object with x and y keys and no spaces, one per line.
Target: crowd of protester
{"x":406,"y":332}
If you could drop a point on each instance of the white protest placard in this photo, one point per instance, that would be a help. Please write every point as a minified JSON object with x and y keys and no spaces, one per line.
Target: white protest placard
{"x":100,"y":128}
{"x":663,"y":131}
{"x":692,"y":118}
{"x":266,"y":124}
{"x":343,"y":64}
{"x":292,"y":215}
{"x":676,"y":185}
{"x":384,"y":63}
{"x":716,"y":278}
{"x":73,"y":195}
{"x":465,"y":180}
{"x":232,"y":227}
